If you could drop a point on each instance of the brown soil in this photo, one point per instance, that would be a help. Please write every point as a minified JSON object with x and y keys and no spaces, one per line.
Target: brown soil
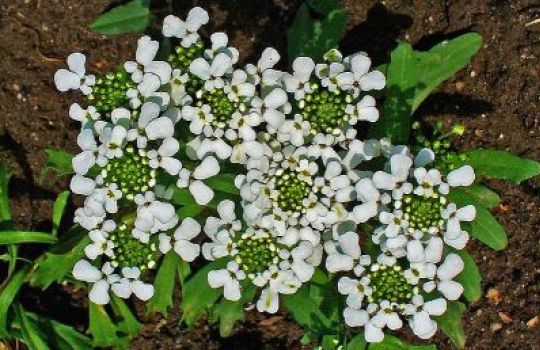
{"x":496,"y":97}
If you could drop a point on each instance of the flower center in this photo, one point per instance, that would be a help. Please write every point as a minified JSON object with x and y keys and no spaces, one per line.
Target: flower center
{"x":423,"y":212}
{"x":109,"y":92}
{"x":130,"y":252}
{"x":182,"y":56}
{"x":389,"y":283}
{"x":222,"y":108}
{"x":131,"y":173}
{"x":324,"y":110}
{"x":291,"y":191}
{"x":256,"y":253}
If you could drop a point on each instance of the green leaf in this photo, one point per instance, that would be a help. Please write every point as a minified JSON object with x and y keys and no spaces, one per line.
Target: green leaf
{"x":59,"y":161}
{"x":16,"y":237}
{"x":487,"y":229}
{"x":126,"y":321}
{"x":413,"y":75}
{"x":223,"y":183}
{"x":5,"y":212}
{"x":30,"y":330}
{"x":7,"y":296}
{"x":69,"y":336}
{"x":450,"y":323}
{"x":189,"y":211}
{"x":182,"y":196}
{"x":229,"y":312}
{"x":357,"y":343}
{"x":198,"y":296}
{"x":470,"y":277}
{"x":104,"y":332}
{"x":307,"y":313}
{"x":501,"y":165}
{"x":60,"y":258}
{"x":477,"y":195}
{"x":58,"y":210}
{"x":164,"y":284}
{"x":392,"y":343}
{"x":312,"y":37}
{"x":131,"y":17}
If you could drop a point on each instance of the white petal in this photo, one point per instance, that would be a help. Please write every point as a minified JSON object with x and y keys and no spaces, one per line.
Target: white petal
{"x":226,"y":210}
{"x":218,"y":278}
{"x":188,"y":251}
{"x":435,"y":307}
{"x":349,"y":243}
{"x":66,"y":80}
{"x":374,"y":80}
{"x":82,"y":185}
{"x":202,"y":193}
{"x":143,"y":291}
{"x":220,"y":65}
{"x":160,"y":128}
{"x":76,"y":63}
{"x":451,"y":290}
{"x":196,"y":18}
{"x":400,"y":165}
{"x":303,"y":67}
{"x":146,"y":50}
{"x":231,"y":290}
{"x":424,"y":157}
{"x":463,"y":176}
{"x":275,"y":99}
{"x":452,"y":266}
{"x":355,"y":318}
{"x":200,"y":68}
{"x":373,"y":334}
{"x":208,"y":168}
{"x":366,"y":211}
{"x":188,"y":229}
{"x":467,"y":213}
{"x":84,"y":271}
{"x":268,"y":301}
{"x":99,"y":294}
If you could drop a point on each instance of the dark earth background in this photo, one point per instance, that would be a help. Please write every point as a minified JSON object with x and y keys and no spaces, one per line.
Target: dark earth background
{"x":496,"y":97}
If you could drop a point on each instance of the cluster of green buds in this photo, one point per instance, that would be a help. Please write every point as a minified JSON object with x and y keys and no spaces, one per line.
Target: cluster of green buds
{"x":389,"y":283}
{"x":222,"y":107}
{"x":182,"y":56}
{"x":424,"y":212}
{"x":256,"y":253}
{"x":131,"y":173}
{"x":324,"y":110}
{"x":440,"y":141}
{"x":131,"y":252}
{"x":291,"y":191}
{"x":109,"y":92}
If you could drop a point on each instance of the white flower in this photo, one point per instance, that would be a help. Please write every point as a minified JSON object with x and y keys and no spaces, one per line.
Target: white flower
{"x":113,"y":140}
{"x":294,"y":130}
{"x":187,"y":31}
{"x":130,"y":283}
{"x":164,"y":156}
{"x":374,"y":80}
{"x":102,"y":280}
{"x":371,"y":199}
{"x":90,"y":154}
{"x":229,"y":279}
{"x":100,"y":243}
{"x":150,"y":126}
{"x":355,"y":290}
{"x":84,"y":116}
{"x":454,"y":216}
{"x":298,"y":82}
{"x":396,"y":181}
{"x":342,"y":256}
{"x":75,"y":77}
{"x":463,"y":176}
{"x":211,"y":73}
{"x":188,"y":229}
{"x":450,"y":268}
{"x":366,"y":109}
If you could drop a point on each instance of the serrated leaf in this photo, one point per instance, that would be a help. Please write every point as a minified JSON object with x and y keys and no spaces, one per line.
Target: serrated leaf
{"x":229,"y":312}
{"x":7,"y":295}
{"x":487,"y":229}
{"x":164,"y":284}
{"x":392,"y":343}
{"x":58,"y":210}
{"x":306,"y":312}
{"x":470,"y":278}
{"x":104,"y":332}
{"x":357,"y":343}
{"x":197,"y":294}
{"x":451,"y":325}
{"x":60,"y":258}
{"x":59,"y":161}
{"x":131,"y":17}
{"x":476,"y":195}
{"x":126,"y":321}
{"x":312,"y":37}
{"x":413,"y":75}
{"x":17,"y":237}
{"x":501,"y":165}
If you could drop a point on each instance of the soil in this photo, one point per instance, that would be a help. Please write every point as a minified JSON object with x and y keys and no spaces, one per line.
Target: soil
{"x":496,"y":97}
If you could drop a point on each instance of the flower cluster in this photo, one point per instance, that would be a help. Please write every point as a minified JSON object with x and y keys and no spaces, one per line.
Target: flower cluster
{"x":164,"y":126}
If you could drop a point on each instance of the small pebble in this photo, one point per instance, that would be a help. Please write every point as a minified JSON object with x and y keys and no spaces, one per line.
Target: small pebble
{"x":495,"y":326}
{"x":460,"y":86}
{"x":494,"y":296}
{"x":473,"y":74}
{"x":533,"y":322}
{"x":505,"y":318}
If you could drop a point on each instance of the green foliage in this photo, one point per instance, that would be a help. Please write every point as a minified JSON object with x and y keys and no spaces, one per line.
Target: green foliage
{"x":357,"y":343}
{"x":312,"y":37}
{"x":229,"y":312}
{"x":393,"y":343}
{"x":307,"y":313}
{"x":450,"y":323}
{"x":104,"y":331}
{"x":17,"y":237}
{"x":5,"y":213}
{"x":413,"y":75}
{"x":7,"y":296}
{"x":502,"y":165}
{"x":60,"y":258}
{"x":131,"y":17}
{"x":164,"y":284}
{"x":485,"y":227}
{"x":197,"y":294}
{"x":470,"y":277}
{"x":223,"y":183}
{"x":58,"y":210}
{"x":31,"y":334}
{"x":59,"y":161}
{"x":126,"y":321}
